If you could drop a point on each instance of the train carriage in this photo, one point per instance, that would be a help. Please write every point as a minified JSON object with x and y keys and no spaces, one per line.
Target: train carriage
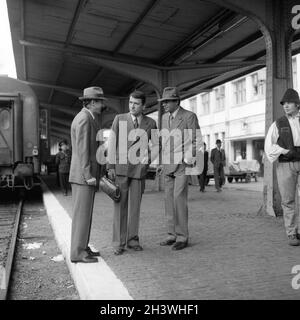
{"x":19,"y":135}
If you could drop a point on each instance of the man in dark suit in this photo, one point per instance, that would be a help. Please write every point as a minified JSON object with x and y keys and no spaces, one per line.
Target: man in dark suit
{"x":184,"y":148}
{"x":129,"y":174}
{"x":84,"y":173}
{"x":202,"y":176}
{"x":218,"y":160}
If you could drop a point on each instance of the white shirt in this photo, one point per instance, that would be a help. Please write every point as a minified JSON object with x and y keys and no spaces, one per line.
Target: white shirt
{"x":90,"y":112}
{"x":174,"y":113}
{"x":272,"y":149}
{"x":139,"y":118}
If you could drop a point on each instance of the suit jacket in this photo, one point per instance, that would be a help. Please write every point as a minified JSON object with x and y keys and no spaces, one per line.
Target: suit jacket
{"x":84,"y":165}
{"x":217,"y":157}
{"x":118,"y":152}
{"x":185,"y":146}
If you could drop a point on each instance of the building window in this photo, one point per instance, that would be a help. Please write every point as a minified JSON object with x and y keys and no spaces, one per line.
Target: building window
{"x":254,"y":78}
{"x":294,"y":68}
{"x":258,"y":85}
{"x":204,"y":104}
{"x":207,"y":142}
{"x":220,"y":98}
{"x":223,"y":138}
{"x":193,"y":104}
{"x":216,"y":136}
{"x":239,"y":91}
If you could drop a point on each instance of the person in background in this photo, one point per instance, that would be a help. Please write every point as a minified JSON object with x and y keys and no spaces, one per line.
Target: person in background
{"x":63,"y":161}
{"x":283,"y":144}
{"x":202,"y":176}
{"x":218,"y":159}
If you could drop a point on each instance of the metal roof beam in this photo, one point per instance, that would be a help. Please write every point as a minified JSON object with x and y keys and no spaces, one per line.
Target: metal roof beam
{"x":151,"y":5}
{"x":66,"y":122}
{"x":65,"y":109}
{"x":60,"y":129}
{"x":200,"y":31}
{"x":79,"y":7}
{"x":72,"y":91}
{"x":245,"y":42}
{"x":86,"y":52}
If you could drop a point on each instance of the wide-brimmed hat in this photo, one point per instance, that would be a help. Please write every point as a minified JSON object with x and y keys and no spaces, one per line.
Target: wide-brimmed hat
{"x":93,"y":93}
{"x":290,"y":95}
{"x":170,"y":93}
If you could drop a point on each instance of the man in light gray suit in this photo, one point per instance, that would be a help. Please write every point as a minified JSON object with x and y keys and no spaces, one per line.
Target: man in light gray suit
{"x":186,"y":149}
{"x":128,"y":175}
{"x":84,"y":173}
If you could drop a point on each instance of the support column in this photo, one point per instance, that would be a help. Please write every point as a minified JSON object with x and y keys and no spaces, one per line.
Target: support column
{"x":278,"y":34}
{"x":249,"y":149}
{"x":164,"y":83}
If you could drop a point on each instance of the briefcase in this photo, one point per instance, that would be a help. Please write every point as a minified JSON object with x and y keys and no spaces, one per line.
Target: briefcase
{"x":110,"y":188}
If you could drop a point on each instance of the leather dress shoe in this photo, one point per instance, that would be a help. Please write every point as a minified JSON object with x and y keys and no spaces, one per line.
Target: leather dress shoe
{"x":119,"y":251}
{"x":87,"y":259}
{"x":179,"y":245}
{"x":92,"y":253}
{"x":136,"y":247}
{"x":167,"y":242}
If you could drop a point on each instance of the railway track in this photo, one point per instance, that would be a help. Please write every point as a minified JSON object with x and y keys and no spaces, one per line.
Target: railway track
{"x":10,"y":213}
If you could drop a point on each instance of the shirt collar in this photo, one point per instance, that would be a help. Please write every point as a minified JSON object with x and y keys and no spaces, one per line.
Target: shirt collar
{"x":139,"y":118}
{"x":174,"y":113}
{"x":89,"y":112}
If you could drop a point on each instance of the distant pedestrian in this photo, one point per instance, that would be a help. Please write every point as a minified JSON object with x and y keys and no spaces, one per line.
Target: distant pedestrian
{"x":218,"y":159}
{"x":63,"y":161}
{"x":283,"y":144}
{"x":202,"y":176}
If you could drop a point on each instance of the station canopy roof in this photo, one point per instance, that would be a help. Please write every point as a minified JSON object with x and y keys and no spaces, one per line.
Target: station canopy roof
{"x":64,"y":46}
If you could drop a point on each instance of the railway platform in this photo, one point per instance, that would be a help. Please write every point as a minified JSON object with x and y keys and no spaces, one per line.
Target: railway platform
{"x":233,"y":252}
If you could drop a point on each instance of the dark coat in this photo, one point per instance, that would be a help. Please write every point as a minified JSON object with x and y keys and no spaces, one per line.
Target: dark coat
{"x":218,"y":157}
{"x":63,"y":161}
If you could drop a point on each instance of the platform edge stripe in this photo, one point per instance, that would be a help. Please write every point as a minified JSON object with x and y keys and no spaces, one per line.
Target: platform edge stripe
{"x":94,"y":281}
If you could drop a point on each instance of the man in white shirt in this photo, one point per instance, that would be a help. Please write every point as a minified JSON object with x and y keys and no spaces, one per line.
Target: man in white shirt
{"x":283,"y":144}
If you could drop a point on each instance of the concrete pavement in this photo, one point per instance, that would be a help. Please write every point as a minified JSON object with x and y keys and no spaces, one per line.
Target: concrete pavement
{"x":234,"y":253}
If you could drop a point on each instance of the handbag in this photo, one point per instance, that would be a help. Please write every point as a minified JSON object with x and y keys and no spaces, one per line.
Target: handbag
{"x":110,"y":188}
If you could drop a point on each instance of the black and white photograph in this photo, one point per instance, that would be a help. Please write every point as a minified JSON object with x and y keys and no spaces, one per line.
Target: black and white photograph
{"x":149,"y":153}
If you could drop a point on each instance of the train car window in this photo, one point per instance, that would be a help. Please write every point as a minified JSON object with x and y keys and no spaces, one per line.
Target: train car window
{"x":4,"y":119}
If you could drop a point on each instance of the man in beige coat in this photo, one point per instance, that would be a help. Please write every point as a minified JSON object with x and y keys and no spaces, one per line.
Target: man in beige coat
{"x":84,"y":173}
{"x":182,"y":155}
{"x":129,"y":175}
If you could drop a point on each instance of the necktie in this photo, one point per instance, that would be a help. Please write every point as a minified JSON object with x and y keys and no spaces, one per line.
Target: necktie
{"x":136,"y":124}
{"x":171,"y":118}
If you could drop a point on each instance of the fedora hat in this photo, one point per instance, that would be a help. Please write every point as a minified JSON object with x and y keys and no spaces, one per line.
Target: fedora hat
{"x":290,"y":95}
{"x":170,"y":93}
{"x":93,"y":93}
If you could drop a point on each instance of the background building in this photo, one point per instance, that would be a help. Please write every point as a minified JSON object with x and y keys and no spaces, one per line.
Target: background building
{"x":235,"y":113}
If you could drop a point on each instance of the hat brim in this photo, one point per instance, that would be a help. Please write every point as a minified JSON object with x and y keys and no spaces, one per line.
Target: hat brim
{"x":164,"y":99}
{"x":282,"y":102}
{"x":91,"y":98}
